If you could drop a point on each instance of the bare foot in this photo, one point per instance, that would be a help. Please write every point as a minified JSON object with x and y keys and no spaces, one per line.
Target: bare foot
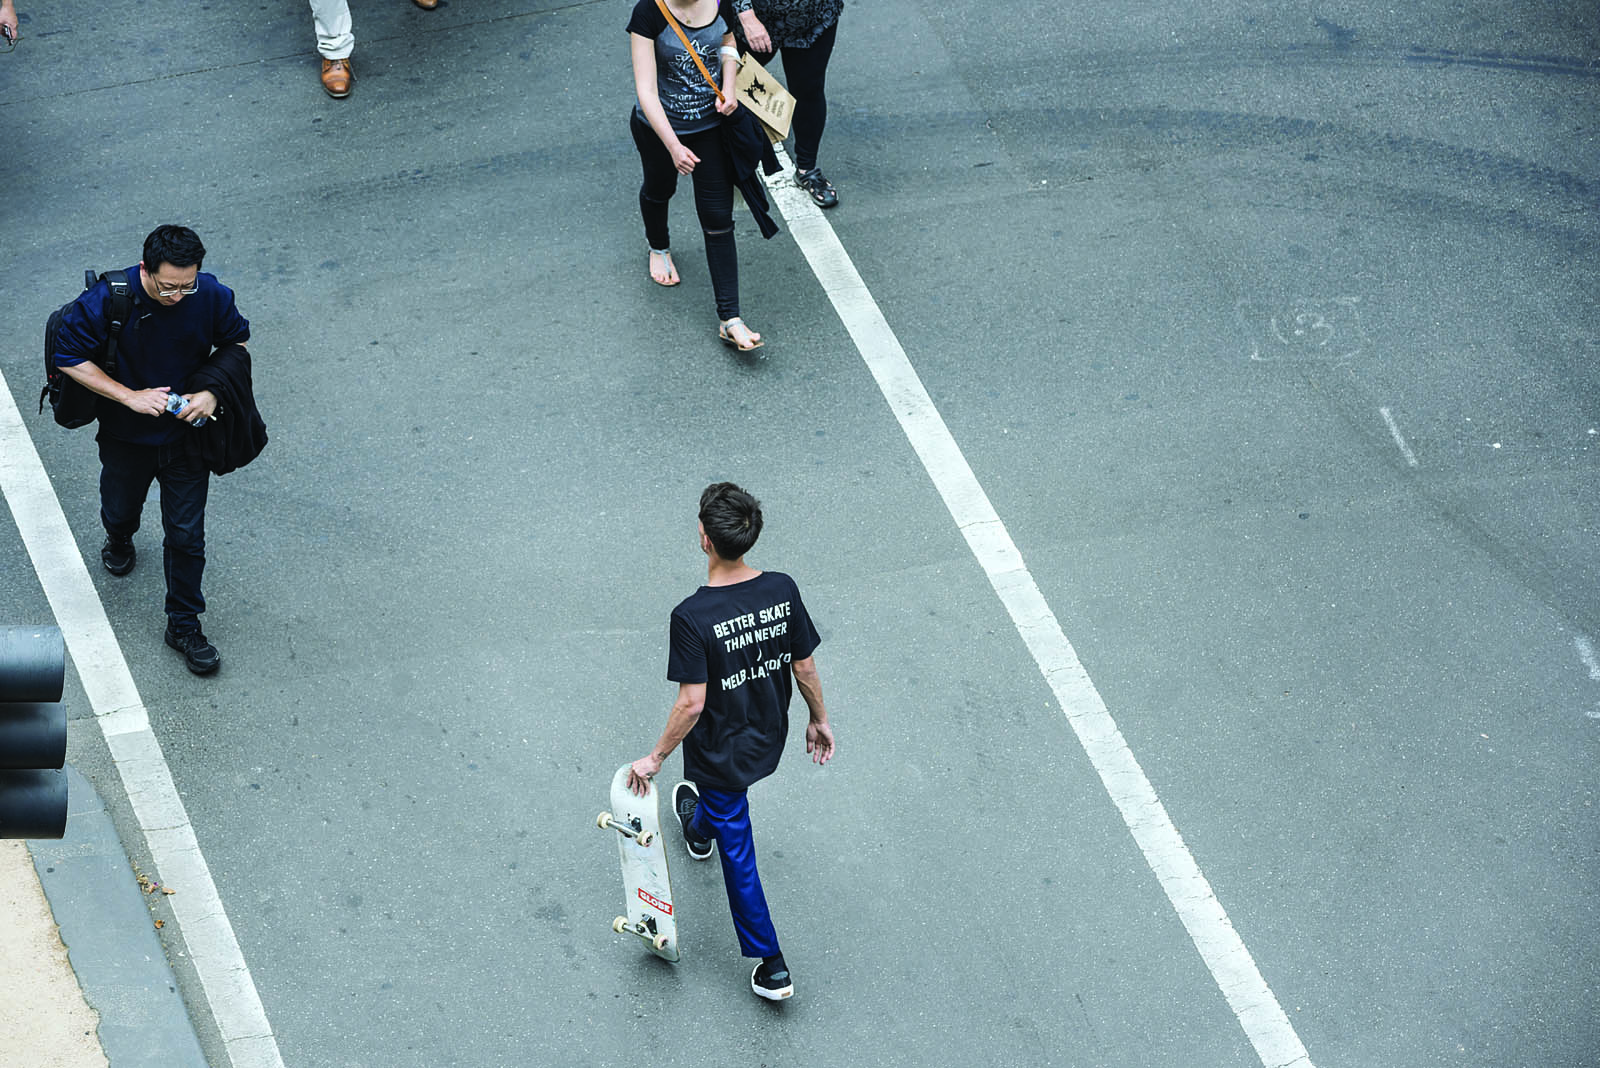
{"x":663,"y":272}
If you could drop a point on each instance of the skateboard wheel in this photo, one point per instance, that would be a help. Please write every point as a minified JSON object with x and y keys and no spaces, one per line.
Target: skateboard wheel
{"x":659,"y":942}
{"x":645,"y":838}
{"x":603,"y":820}
{"x":620,"y":924}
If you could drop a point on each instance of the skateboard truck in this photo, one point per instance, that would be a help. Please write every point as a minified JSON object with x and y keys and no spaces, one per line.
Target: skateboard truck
{"x":631,"y":829}
{"x":645,"y":929}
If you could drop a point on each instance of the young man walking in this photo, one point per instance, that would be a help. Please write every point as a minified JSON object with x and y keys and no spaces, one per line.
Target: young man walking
{"x":740,"y":644}
{"x":180,"y":316}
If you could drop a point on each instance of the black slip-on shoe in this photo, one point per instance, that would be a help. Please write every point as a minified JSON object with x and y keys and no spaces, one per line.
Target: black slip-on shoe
{"x":200,"y":655}
{"x":118,"y":554}
{"x":685,"y":799}
{"x":771,"y":980}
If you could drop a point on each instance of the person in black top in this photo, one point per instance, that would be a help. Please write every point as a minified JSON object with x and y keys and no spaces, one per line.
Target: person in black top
{"x":803,"y":30}
{"x":180,"y":316}
{"x":739,"y":646}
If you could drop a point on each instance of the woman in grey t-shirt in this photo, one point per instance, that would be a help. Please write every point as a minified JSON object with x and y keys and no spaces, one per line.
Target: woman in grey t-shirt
{"x":676,"y":127}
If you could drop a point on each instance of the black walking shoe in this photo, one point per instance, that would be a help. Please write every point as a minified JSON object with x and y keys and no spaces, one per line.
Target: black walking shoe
{"x":118,"y":554}
{"x":201,"y":656}
{"x":685,"y":799}
{"x":771,"y":979}
{"x":820,"y":188}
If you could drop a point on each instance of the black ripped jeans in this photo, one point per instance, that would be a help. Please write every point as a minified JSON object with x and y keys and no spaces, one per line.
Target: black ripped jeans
{"x":713,"y":202}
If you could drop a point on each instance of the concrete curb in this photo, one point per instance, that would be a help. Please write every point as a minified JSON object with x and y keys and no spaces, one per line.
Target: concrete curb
{"x":110,"y":938}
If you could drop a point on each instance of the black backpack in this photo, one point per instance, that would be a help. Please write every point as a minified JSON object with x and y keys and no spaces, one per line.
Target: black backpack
{"x":73,"y":405}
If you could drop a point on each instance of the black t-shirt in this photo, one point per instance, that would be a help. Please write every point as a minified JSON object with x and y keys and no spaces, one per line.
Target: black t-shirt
{"x":740,"y":641}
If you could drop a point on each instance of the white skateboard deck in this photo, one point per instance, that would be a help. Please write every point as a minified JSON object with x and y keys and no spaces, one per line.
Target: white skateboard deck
{"x":636,"y":821}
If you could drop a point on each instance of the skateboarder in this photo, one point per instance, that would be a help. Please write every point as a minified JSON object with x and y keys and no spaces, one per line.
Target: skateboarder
{"x":739,"y":645}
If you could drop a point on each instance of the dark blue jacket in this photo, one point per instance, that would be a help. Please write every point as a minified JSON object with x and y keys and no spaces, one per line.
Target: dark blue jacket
{"x":160,"y":346}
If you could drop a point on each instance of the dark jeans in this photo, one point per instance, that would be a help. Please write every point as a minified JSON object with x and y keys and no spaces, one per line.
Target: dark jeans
{"x":713,"y":202}
{"x":805,"y":75}
{"x":126,"y":471}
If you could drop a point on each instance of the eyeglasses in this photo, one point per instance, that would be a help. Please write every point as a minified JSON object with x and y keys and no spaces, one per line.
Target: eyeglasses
{"x":173,"y":291}
{"x":8,"y":42}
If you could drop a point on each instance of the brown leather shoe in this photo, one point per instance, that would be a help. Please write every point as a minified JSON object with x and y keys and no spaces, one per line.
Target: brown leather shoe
{"x":426,"y":5}
{"x":337,"y":76}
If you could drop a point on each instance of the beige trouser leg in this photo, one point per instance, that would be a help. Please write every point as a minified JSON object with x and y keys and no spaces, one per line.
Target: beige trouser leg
{"x":334,"y":39}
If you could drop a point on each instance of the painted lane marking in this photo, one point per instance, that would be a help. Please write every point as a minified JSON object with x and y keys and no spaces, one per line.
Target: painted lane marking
{"x":1394,"y":432}
{"x":1220,"y":946}
{"x":230,"y":991}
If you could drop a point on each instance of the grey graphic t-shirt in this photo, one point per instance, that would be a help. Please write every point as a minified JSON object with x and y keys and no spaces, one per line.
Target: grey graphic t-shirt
{"x":686,"y":96}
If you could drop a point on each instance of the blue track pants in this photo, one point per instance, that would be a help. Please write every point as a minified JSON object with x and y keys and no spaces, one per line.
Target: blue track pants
{"x":725,"y":816}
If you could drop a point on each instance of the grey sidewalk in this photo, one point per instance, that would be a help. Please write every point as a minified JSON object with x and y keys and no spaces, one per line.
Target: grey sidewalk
{"x":112,"y":955}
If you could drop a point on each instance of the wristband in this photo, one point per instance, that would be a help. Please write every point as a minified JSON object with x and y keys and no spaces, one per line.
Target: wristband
{"x":728,"y":53}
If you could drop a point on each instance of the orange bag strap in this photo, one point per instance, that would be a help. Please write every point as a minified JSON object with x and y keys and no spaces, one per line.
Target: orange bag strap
{"x":689,"y":48}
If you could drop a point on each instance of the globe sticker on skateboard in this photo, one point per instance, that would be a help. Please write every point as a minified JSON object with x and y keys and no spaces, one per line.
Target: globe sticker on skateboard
{"x":646,"y":881}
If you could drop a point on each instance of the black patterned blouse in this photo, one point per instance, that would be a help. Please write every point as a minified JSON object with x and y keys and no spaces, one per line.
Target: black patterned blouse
{"x":792,"y":23}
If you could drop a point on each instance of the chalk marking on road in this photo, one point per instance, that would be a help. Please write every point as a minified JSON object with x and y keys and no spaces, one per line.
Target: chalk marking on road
{"x":1586,"y":653}
{"x":197,"y":907}
{"x":1186,"y":887}
{"x":1394,"y":432}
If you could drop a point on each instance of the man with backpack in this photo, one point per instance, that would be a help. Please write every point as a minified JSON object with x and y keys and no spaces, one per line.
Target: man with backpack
{"x":179,"y":316}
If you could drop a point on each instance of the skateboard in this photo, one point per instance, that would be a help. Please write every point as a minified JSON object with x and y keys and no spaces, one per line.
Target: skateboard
{"x":645,"y":879}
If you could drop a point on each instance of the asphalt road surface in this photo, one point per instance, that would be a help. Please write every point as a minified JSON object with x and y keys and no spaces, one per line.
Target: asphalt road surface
{"x":1269,"y":332}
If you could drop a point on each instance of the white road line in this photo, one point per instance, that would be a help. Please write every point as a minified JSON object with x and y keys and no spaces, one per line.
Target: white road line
{"x":1394,"y":431}
{"x":197,"y":908}
{"x":1220,"y":946}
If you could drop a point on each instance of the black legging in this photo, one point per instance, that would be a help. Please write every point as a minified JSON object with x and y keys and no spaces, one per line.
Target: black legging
{"x":713,"y":202}
{"x":805,"y":75}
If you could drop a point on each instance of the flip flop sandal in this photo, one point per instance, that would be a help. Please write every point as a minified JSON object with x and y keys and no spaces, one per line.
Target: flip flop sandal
{"x":672,"y":268}
{"x":728,"y":339}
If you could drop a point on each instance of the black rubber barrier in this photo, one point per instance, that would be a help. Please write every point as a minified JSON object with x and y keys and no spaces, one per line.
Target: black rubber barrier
{"x":33,"y":733}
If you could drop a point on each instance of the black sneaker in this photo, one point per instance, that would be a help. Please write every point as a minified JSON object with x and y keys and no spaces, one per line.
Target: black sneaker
{"x":771,"y":979}
{"x":685,"y":799}
{"x":201,"y":656}
{"x":820,"y":188}
{"x":118,"y":554}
